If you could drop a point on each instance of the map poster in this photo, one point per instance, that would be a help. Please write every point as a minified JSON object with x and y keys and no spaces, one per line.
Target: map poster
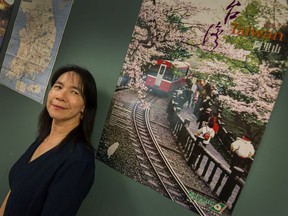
{"x":33,"y":46}
{"x":194,"y":96}
{"x":5,"y":12}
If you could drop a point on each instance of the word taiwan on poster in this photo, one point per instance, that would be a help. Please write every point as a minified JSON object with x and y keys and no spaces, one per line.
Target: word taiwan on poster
{"x":33,"y":46}
{"x":194,"y":96}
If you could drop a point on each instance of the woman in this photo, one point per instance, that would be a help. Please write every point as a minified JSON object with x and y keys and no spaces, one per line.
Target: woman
{"x":57,"y":171}
{"x":205,"y":133}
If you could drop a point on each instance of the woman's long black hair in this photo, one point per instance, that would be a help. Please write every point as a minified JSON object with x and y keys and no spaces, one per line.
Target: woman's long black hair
{"x":84,"y":130}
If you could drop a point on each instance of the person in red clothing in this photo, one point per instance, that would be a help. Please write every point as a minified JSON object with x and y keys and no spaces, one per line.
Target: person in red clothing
{"x":214,"y":119}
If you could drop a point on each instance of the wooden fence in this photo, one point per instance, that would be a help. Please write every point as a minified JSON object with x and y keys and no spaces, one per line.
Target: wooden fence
{"x":225,"y":182}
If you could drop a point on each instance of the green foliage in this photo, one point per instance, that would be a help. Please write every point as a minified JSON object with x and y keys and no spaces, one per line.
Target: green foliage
{"x":250,"y":13}
{"x":221,"y":81}
{"x":249,"y":66}
{"x":175,"y":72}
{"x":200,"y":75}
{"x":239,"y":96}
{"x":239,"y":123}
{"x":248,"y":19}
{"x":224,"y":83}
{"x":176,"y":52}
{"x":176,"y":19}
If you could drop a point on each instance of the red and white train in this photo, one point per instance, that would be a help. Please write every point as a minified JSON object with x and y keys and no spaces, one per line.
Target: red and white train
{"x":165,"y":76}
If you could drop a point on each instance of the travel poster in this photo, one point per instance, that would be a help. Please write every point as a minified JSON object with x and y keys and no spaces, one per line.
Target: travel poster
{"x":194,"y":96}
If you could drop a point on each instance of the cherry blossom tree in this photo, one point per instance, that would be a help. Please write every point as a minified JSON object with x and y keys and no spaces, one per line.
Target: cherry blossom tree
{"x":163,"y":30}
{"x":248,"y":76}
{"x":245,"y":92}
{"x":168,"y":29}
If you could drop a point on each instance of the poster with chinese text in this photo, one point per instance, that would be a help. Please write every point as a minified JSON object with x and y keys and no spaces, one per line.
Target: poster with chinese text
{"x":194,"y":96}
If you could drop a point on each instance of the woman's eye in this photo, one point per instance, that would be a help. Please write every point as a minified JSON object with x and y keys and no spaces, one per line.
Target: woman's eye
{"x":75,"y":92}
{"x":57,"y":87}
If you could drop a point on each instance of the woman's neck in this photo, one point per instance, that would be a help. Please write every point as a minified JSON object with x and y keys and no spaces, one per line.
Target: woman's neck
{"x":59,"y":129}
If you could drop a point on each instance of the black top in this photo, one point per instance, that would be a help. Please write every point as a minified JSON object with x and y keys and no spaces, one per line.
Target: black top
{"x":53,"y":184}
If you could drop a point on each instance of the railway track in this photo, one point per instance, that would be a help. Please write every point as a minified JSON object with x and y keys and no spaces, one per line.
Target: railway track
{"x":160,"y":174}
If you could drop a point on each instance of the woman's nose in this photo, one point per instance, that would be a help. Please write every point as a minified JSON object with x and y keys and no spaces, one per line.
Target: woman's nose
{"x":62,"y":95}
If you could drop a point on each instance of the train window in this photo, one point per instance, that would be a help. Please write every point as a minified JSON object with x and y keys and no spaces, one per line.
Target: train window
{"x":153,"y":70}
{"x":168,"y":75}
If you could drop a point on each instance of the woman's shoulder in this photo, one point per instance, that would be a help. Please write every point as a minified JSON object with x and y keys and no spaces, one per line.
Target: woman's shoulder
{"x":79,"y":151}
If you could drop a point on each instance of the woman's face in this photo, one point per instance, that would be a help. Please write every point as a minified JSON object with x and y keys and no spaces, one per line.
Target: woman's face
{"x":65,"y":101}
